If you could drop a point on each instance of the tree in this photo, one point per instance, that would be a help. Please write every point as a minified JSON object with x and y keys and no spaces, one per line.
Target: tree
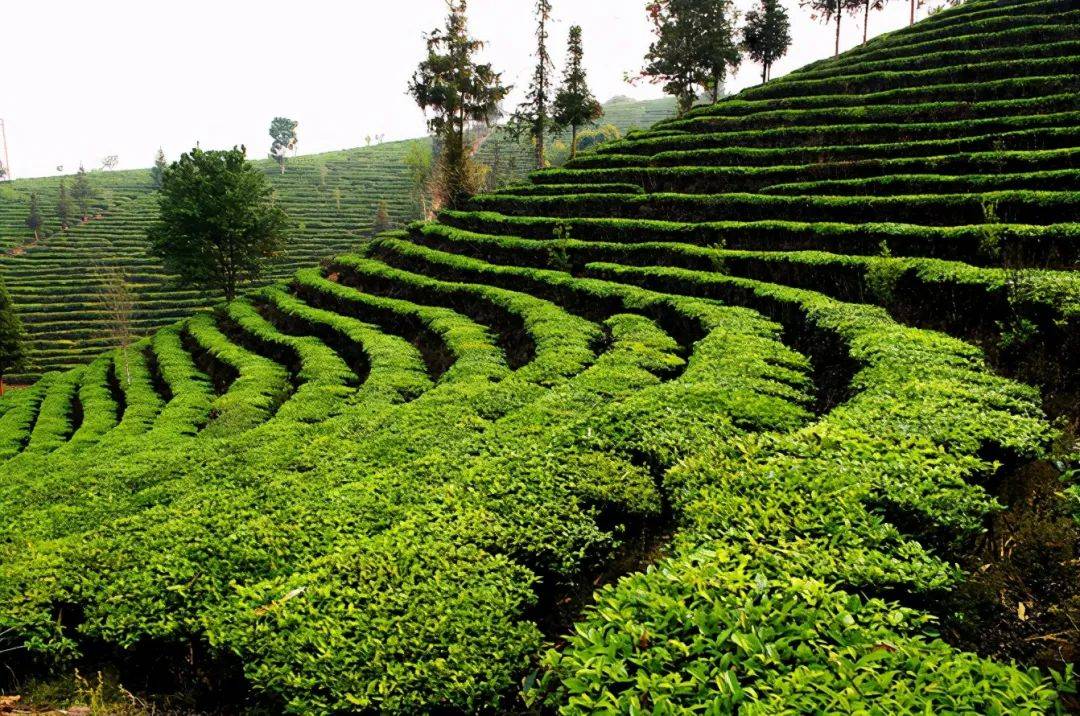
{"x":108,"y":163}
{"x":575,"y":105}
{"x":283,"y":132}
{"x":694,"y":47}
{"x":766,"y":35}
{"x":119,"y":301}
{"x":830,"y":10}
{"x":869,"y":5}
{"x":382,"y":218}
{"x":12,"y":337}
{"x":218,"y":223}
{"x":420,"y":162}
{"x":3,"y":170}
{"x":33,"y":217}
{"x":158,"y":170}
{"x":532,"y":118}
{"x":457,"y":90}
{"x":82,"y":192}
{"x":63,"y":206}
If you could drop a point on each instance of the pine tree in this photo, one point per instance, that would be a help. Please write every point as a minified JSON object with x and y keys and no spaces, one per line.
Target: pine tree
{"x":33,"y":218}
{"x":457,"y":90}
{"x":12,"y":338}
{"x":532,"y":118}
{"x":766,"y":35}
{"x":575,"y":106}
{"x":157,"y":172}
{"x":63,"y":206}
{"x":82,"y":193}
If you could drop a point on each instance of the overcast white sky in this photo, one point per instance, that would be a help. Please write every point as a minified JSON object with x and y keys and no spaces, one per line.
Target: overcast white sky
{"x":87,"y":79}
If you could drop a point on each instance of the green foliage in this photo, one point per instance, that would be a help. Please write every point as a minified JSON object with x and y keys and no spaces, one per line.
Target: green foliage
{"x":766,"y":35}
{"x":219,"y":222}
{"x":695,"y":47}
{"x":534,"y":116}
{"x":63,"y":206}
{"x":82,"y":193}
{"x":457,"y":90}
{"x":13,"y":352}
{"x":157,"y":172}
{"x":283,"y":134}
{"x":34,"y":222}
{"x":575,"y":106}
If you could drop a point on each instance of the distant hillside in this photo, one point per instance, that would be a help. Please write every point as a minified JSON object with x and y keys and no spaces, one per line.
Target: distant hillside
{"x":57,"y":282}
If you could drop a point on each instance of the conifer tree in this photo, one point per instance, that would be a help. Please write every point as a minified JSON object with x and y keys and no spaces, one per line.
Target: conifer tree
{"x":12,"y":338}
{"x":82,"y":193}
{"x":766,"y":35}
{"x":34,"y":221}
{"x":157,"y":172}
{"x":63,"y":206}
{"x":457,"y":90}
{"x":532,"y":118}
{"x":575,"y":106}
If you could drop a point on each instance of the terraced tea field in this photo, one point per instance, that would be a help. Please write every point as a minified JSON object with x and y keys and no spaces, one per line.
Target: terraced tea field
{"x":332,"y":199}
{"x":757,"y":375}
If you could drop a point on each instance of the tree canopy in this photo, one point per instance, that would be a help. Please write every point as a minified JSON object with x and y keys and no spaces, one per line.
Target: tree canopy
{"x":533,"y":118}
{"x":219,"y":222}
{"x":575,"y":105}
{"x":695,"y":47}
{"x":82,"y":193}
{"x":456,"y":90}
{"x":283,"y":134}
{"x":12,"y":337}
{"x":831,"y":11}
{"x":766,"y":35}
{"x":34,"y":221}
{"x":157,"y":172}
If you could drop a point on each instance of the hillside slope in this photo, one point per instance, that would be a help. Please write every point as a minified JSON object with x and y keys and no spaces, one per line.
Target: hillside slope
{"x":778,"y":351}
{"x":332,"y":198}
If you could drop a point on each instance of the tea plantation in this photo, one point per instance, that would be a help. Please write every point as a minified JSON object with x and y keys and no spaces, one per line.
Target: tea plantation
{"x":750,"y":375}
{"x":332,"y":200}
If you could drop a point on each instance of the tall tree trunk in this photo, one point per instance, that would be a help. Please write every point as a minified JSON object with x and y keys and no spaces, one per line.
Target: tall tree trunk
{"x":866,"y":21}
{"x":764,"y":72}
{"x":573,"y":141}
{"x":837,"y":53}
{"x":912,"y":22}
{"x":540,"y":149}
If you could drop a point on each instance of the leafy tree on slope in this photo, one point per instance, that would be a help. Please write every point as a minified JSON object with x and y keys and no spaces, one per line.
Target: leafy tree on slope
{"x":766,"y":35}
{"x":457,"y":90}
{"x":383,"y":222}
{"x":694,"y":47}
{"x":575,"y":105}
{"x":219,"y":223}
{"x":869,"y":5}
{"x":12,"y":337}
{"x":830,"y":10}
{"x":63,"y":206}
{"x":82,"y":192}
{"x":283,"y":132}
{"x":532,"y":118}
{"x":34,"y":221}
